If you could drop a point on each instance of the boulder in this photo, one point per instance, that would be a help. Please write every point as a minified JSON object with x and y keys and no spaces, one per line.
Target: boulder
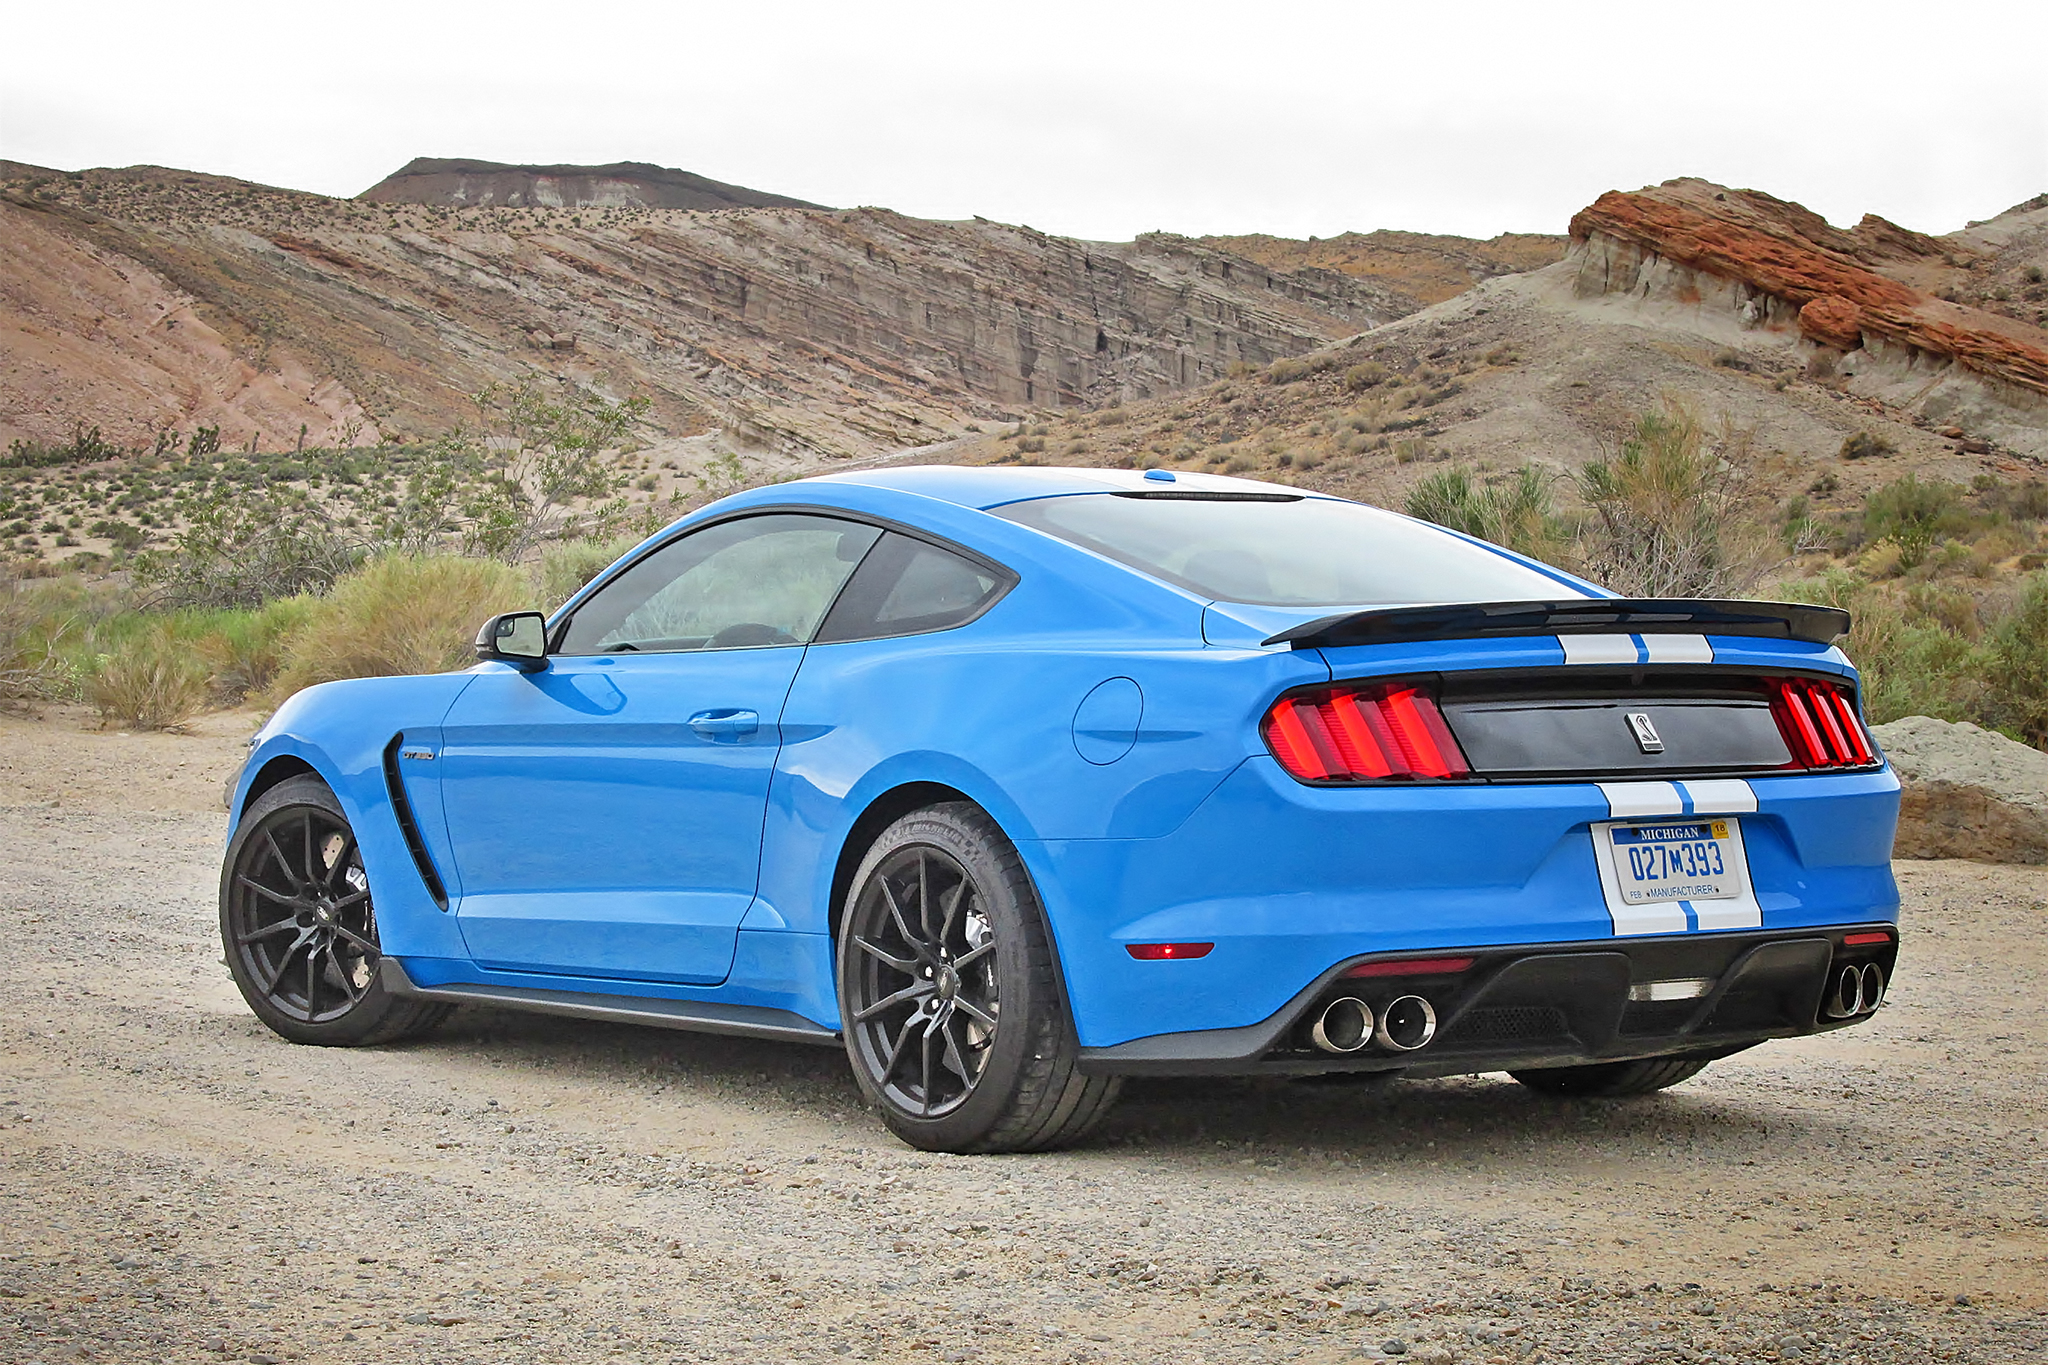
{"x":1968,"y":793}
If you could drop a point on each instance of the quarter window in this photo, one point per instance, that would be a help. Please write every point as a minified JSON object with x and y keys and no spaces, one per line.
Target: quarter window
{"x":741,"y":584}
{"x":908,"y":587}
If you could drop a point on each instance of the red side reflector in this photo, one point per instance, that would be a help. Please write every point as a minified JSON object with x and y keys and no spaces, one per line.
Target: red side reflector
{"x":1159,"y":952}
{"x":1352,"y":733}
{"x":1858,"y":940}
{"x":1418,"y":966}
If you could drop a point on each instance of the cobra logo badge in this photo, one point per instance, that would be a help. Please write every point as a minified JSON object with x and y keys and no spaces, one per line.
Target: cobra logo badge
{"x":1646,"y":735}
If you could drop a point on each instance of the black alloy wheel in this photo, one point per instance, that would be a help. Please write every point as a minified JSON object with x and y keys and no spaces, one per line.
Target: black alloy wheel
{"x":300,"y":929}
{"x":947,"y":993}
{"x":925,"y":972}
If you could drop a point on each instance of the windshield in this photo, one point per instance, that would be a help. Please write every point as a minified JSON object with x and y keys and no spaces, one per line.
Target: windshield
{"x":1283,"y":551}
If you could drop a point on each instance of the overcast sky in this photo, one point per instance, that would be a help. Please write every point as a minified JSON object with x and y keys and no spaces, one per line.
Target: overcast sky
{"x":1098,"y":120}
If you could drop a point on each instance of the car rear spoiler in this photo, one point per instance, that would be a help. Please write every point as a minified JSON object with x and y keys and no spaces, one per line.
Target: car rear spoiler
{"x":1578,"y":616}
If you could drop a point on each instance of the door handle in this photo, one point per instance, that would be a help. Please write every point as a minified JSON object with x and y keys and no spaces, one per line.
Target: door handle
{"x":726,"y":722}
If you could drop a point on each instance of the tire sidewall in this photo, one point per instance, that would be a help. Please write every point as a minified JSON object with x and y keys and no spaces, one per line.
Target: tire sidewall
{"x":376,"y":1003}
{"x":1028,"y":1010}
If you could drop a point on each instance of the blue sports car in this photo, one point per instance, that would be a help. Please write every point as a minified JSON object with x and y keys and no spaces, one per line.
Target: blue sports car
{"x":1014,"y":782}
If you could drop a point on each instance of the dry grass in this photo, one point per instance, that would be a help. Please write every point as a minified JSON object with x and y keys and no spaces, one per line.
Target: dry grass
{"x":153,"y":682}
{"x":399,"y":614}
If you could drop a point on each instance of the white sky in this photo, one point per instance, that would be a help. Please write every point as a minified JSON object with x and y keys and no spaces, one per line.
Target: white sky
{"x":1098,"y":120}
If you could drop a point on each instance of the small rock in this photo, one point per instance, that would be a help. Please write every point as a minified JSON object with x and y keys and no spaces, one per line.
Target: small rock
{"x":1394,"y":1346}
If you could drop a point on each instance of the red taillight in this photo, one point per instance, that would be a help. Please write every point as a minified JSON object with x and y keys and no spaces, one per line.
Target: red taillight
{"x":1357,"y":734}
{"x":1162,"y":952}
{"x":1820,"y":724}
{"x":1414,"y":966}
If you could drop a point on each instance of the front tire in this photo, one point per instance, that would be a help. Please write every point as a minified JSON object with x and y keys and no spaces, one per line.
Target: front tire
{"x":298,"y":927}
{"x":951,"y":1008}
{"x":1612,"y":1080}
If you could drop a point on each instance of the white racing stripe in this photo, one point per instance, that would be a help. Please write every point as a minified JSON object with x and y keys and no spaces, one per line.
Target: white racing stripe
{"x":1598,"y":649}
{"x":1634,"y":800}
{"x":1627,"y":800}
{"x":1678,"y":649}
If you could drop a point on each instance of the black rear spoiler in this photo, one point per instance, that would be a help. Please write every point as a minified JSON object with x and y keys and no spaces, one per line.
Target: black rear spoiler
{"x":1578,"y":616}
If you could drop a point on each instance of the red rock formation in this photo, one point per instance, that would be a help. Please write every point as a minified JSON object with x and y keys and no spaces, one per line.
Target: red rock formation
{"x":1823,"y":274}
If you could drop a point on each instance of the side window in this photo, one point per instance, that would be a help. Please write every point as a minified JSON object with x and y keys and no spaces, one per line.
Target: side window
{"x":908,"y":587}
{"x":741,"y":584}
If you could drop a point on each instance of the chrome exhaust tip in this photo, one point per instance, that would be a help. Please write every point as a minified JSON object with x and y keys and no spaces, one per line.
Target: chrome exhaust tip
{"x":1345,"y":1025}
{"x":1873,"y":987}
{"x":1845,"y":996}
{"x":1407,"y":1024}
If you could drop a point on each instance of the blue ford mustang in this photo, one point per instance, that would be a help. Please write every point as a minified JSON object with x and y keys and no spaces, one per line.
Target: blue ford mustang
{"x":1014,"y":782}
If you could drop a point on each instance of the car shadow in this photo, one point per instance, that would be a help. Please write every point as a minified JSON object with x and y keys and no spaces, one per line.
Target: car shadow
{"x":1385,"y":1124}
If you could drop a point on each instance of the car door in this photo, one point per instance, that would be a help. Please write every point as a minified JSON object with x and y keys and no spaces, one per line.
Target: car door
{"x":605,"y":811}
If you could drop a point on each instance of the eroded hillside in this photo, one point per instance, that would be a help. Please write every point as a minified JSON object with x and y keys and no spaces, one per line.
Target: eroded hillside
{"x":146,"y":299}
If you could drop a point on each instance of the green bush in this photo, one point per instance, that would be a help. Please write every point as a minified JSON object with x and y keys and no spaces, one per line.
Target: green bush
{"x":1911,"y":515}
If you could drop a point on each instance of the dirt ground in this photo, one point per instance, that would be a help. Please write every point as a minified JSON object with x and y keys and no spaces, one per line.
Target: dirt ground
{"x":177,"y":1184}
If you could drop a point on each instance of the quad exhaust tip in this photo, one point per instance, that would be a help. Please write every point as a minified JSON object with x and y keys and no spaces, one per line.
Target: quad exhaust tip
{"x":1406,"y":1024}
{"x":1345,"y":1025}
{"x":1855,"y":990}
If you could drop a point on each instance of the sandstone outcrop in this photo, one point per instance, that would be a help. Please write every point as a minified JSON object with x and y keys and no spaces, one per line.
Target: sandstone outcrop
{"x":1968,"y":793}
{"x":623,"y":184}
{"x":1780,"y":266}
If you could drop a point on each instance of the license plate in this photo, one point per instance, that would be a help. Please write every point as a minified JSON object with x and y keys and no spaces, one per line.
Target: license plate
{"x":1689,"y":860}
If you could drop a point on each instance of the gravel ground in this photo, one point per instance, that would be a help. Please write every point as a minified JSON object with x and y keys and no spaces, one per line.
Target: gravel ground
{"x":177,"y":1184}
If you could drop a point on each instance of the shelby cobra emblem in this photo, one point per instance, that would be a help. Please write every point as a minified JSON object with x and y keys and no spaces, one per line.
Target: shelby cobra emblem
{"x":1645,"y":733}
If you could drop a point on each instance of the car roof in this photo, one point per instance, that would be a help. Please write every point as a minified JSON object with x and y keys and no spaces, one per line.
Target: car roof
{"x":987,"y":486}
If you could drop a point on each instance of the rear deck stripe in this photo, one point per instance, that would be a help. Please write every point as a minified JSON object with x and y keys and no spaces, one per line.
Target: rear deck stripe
{"x":1599,"y":649}
{"x":1678,"y":649}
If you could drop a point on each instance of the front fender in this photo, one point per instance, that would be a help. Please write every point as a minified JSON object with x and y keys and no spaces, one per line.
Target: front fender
{"x":340,"y":730}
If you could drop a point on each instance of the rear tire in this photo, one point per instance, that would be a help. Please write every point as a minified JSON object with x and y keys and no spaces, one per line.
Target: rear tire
{"x":298,"y":928}
{"x":951,"y":1007}
{"x":1612,"y":1080}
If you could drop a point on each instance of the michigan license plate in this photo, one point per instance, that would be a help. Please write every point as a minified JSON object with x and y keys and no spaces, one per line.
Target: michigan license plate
{"x":1676,"y":860}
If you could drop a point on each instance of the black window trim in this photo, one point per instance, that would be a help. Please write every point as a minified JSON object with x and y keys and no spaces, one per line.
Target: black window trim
{"x":1007,"y":577}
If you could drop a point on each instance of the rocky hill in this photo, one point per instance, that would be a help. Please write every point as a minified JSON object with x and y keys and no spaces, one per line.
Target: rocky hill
{"x":148,"y":299}
{"x":1753,"y":311}
{"x":1428,"y":268}
{"x":623,"y":184}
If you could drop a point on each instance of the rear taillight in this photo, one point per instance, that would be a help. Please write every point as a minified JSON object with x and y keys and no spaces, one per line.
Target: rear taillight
{"x":1820,"y":725}
{"x":1362,"y":734}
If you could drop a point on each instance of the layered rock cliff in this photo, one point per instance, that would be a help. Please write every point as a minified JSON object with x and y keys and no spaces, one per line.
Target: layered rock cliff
{"x":817,"y":333}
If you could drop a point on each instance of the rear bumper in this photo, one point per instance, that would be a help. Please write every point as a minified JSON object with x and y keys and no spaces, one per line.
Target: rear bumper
{"x":1545,"y":1005}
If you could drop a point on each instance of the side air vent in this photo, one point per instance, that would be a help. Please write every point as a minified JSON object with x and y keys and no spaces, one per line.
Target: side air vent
{"x":401,"y":807}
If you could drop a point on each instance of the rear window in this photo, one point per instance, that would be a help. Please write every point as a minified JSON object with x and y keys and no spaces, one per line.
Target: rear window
{"x":1282,"y":551}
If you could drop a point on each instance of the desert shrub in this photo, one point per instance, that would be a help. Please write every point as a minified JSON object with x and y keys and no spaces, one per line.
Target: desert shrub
{"x":244,"y":651}
{"x":152,"y":682}
{"x":243,"y":551}
{"x":564,"y":569}
{"x":1864,"y":445}
{"x":1911,"y":514}
{"x":1822,"y":365}
{"x":29,"y":671}
{"x":1365,"y":376}
{"x":399,"y":614}
{"x":1730,"y":359}
{"x":1670,"y":514}
{"x":1518,"y":512}
{"x":2018,"y":673}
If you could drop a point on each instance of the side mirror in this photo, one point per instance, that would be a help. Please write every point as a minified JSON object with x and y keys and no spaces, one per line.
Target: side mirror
{"x":519,"y":638}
